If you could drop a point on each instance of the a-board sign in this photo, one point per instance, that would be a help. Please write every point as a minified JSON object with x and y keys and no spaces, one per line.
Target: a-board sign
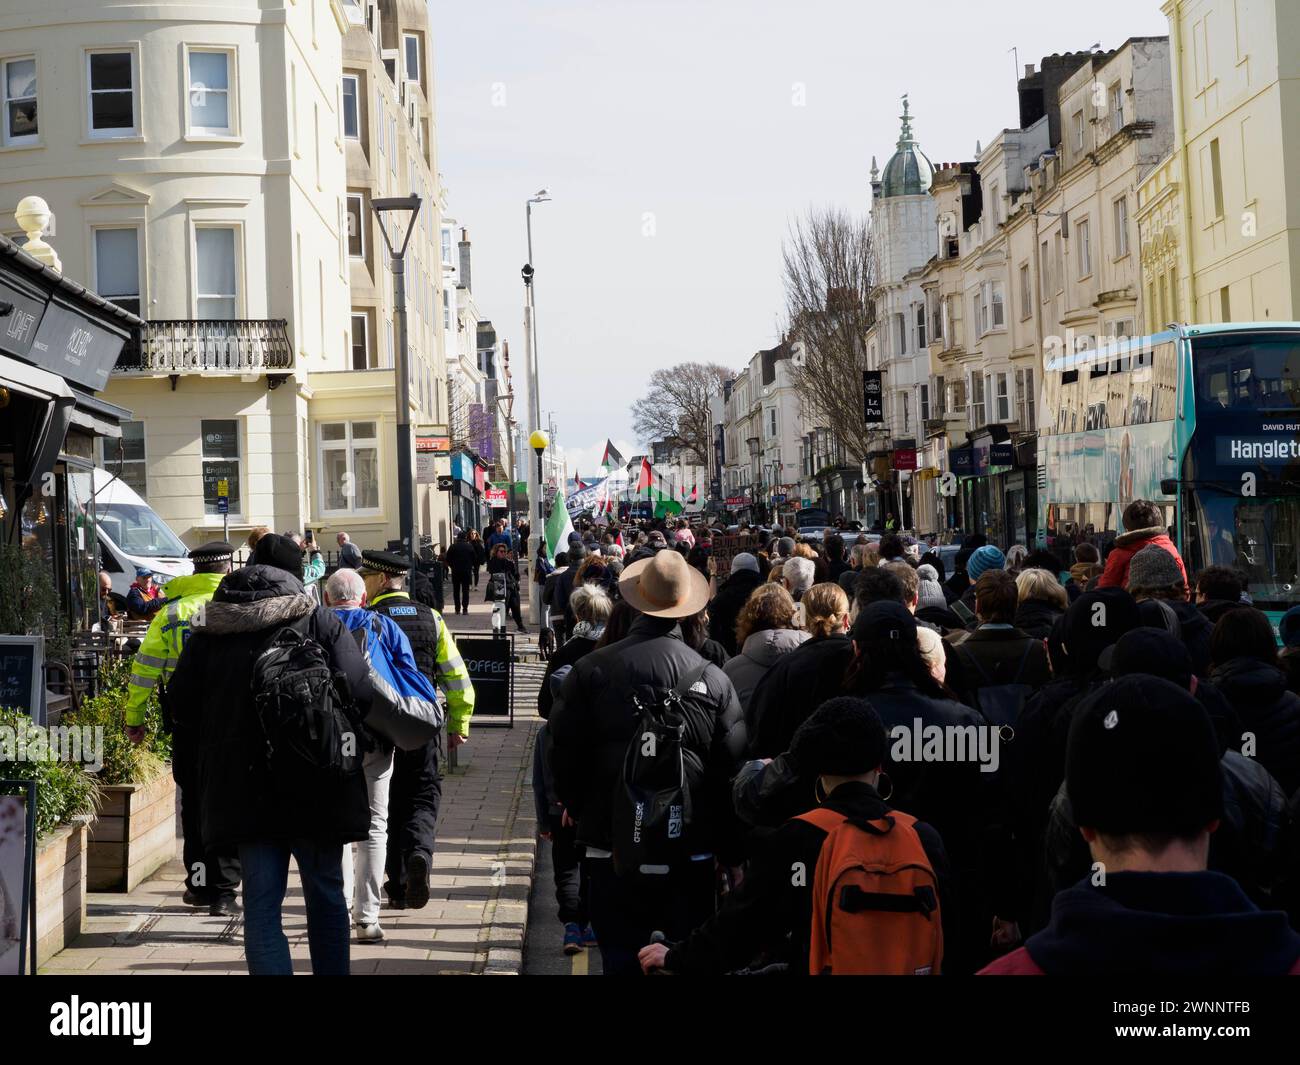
{"x":488,"y":660}
{"x":725,"y":548}
{"x":17,"y":877}
{"x":22,"y":675}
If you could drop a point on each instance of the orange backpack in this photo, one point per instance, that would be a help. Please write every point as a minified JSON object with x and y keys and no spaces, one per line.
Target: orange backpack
{"x":875,"y":899}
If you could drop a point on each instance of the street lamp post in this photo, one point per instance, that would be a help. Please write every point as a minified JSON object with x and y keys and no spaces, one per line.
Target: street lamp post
{"x":535,"y":404}
{"x":538,"y":440}
{"x":405,"y":473}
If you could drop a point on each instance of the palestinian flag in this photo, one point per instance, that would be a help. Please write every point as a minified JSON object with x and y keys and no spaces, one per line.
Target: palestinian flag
{"x":558,"y":525}
{"x":578,"y":483}
{"x":646,"y":478}
{"x":695,"y":493}
{"x":611,"y":458}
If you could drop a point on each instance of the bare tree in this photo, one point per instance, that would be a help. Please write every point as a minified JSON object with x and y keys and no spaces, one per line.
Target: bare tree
{"x":676,"y":406}
{"x":829,"y":261}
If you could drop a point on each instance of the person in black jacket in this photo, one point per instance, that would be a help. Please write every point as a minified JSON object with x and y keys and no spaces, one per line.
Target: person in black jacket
{"x":1157,"y":583}
{"x":1244,"y":655}
{"x":997,"y":653}
{"x":480,"y":552}
{"x":219,"y":746}
{"x":805,"y":678}
{"x":724,"y":607}
{"x":591,"y":608}
{"x":843,"y":744}
{"x":1252,"y":842}
{"x":461,"y":561}
{"x":592,"y":724}
{"x":1036,"y":758}
{"x":502,"y":563}
{"x":1042,"y":599}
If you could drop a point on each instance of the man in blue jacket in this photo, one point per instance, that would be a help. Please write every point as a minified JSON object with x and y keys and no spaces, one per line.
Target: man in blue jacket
{"x":390,"y":656}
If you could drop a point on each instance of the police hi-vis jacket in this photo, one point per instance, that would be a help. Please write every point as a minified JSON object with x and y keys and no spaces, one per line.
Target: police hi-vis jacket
{"x":165,"y":639}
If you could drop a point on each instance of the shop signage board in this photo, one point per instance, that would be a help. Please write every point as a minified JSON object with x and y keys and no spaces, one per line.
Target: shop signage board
{"x":873,"y":398}
{"x":22,"y":675}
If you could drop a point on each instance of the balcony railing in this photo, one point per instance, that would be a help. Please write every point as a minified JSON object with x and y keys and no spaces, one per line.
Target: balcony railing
{"x":242,"y":345}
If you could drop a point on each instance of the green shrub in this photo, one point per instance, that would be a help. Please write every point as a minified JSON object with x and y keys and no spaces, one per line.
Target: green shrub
{"x":114,"y":675}
{"x":64,"y":790}
{"x":123,"y":761}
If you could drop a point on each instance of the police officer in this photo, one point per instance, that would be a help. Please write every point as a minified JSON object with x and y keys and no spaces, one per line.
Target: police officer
{"x":416,"y":791}
{"x":211,"y":878}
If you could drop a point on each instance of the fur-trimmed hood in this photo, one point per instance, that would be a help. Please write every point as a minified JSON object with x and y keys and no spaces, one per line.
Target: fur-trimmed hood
{"x":253,"y":599}
{"x":1126,"y":538}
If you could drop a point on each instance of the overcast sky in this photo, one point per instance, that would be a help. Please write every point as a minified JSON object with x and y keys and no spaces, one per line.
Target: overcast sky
{"x":678,"y":139}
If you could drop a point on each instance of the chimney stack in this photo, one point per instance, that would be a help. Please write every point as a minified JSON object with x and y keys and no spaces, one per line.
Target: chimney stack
{"x":463,"y":247}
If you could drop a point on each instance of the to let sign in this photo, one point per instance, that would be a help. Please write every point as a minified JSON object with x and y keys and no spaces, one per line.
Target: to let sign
{"x":497,"y":498}
{"x":905,"y":458}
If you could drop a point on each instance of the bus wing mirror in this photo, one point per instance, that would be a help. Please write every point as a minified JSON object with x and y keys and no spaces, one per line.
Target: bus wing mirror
{"x":1169,"y":486}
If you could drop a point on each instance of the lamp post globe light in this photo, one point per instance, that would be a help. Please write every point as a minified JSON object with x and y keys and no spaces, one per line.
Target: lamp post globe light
{"x":382,"y":207}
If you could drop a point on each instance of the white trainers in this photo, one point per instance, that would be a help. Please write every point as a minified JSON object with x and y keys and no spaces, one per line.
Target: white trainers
{"x":370,"y":933}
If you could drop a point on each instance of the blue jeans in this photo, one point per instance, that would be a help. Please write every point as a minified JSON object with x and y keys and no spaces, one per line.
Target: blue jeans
{"x":266,"y":878}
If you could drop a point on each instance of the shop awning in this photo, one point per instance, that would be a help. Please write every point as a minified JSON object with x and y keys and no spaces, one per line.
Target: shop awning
{"x":98,"y":416}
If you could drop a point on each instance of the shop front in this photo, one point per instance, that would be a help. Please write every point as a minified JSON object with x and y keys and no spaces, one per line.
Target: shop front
{"x":58,"y":345}
{"x":468,"y":485}
{"x":999,"y":492}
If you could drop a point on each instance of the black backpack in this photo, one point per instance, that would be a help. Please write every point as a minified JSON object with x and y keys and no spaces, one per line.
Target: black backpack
{"x":652,"y":803}
{"x":1000,"y":703}
{"x":302,"y":706}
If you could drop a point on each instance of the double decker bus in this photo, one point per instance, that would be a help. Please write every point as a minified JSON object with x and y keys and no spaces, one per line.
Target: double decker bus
{"x":1204,"y":421}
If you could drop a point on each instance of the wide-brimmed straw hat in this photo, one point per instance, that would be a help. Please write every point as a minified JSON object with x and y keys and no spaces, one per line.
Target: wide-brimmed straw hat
{"x":664,"y":586}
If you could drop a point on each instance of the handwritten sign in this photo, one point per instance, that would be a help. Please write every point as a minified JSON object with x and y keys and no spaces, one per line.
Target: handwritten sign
{"x":22,"y":675}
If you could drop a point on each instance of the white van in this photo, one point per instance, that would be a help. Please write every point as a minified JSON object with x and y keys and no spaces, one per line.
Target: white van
{"x":130,"y":533}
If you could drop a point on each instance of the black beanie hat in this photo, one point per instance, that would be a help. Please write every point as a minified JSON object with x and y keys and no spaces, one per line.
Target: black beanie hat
{"x":883,"y":622}
{"x":843,"y":737}
{"x":1143,"y":757}
{"x":280,"y":552}
{"x":1093,"y":622}
{"x":1156,"y":652}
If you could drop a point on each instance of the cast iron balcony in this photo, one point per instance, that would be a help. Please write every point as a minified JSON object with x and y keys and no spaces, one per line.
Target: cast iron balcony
{"x":241,"y":345}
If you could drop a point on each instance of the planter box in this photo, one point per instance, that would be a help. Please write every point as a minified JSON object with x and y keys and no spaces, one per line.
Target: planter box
{"x":60,"y":889}
{"x":134,"y":834}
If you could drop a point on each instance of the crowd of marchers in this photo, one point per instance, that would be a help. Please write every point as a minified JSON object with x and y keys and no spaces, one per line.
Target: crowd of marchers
{"x":796,"y":759}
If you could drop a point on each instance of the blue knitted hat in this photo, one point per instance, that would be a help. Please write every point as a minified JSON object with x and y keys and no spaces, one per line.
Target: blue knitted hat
{"x":984,"y":559}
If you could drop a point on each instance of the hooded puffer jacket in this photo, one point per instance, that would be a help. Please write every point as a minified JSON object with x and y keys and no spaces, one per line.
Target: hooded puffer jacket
{"x":218,"y":745}
{"x":761,"y":652}
{"x":1269,"y":711}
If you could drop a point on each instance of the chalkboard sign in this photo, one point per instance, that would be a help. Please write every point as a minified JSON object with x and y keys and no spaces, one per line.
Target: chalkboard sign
{"x":490,"y":664}
{"x":22,"y":675}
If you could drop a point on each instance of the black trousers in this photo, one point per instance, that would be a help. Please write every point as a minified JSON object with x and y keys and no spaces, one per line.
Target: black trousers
{"x":414,"y":795}
{"x":476,"y":569}
{"x":570,"y":874}
{"x":512,"y":605}
{"x":460,"y":590}
{"x":210,"y":873}
{"x":625,"y":911}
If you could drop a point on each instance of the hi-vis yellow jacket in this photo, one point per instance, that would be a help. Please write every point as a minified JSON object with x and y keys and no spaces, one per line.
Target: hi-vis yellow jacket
{"x":163,"y":642}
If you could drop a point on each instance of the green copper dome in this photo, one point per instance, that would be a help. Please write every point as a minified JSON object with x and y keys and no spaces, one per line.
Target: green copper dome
{"x":908,"y":172}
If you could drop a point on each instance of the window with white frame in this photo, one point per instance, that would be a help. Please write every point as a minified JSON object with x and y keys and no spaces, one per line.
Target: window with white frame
{"x":936,"y":318}
{"x":392,"y":141}
{"x":939,"y":391}
{"x":925,"y":403}
{"x":18,"y":81}
{"x":349,"y":467}
{"x":975,"y":408}
{"x":1026,"y":292}
{"x":1084,"y":239}
{"x":132,"y":455}
{"x":957,"y":394}
{"x":210,"y":99}
{"x":979,"y":312}
{"x":351,"y":106}
{"x":1002,"y":397}
{"x":771,"y":421}
{"x":357,"y":225}
{"x":363,"y":356}
{"x":111,"y":77}
{"x":117,"y":266}
{"x":997,"y":310}
{"x":217,"y":273}
{"x":411,"y":53}
{"x":1078,"y":131}
{"x":1121,"y":227}
{"x":221,"y":462}
{"x":1116,"y":107}
{"x":920,"y":326}
{"x":900,"y":334}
